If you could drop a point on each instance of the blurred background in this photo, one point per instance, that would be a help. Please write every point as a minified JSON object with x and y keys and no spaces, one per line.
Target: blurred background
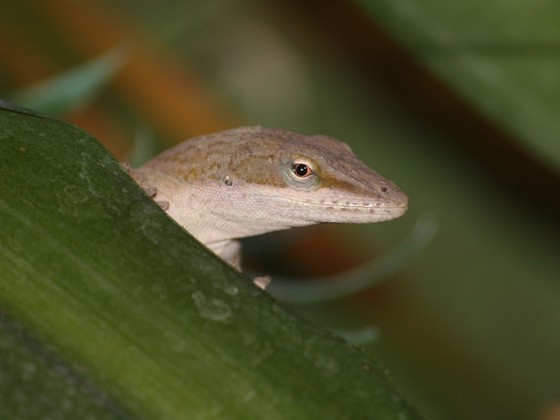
{"x":457,"y":102}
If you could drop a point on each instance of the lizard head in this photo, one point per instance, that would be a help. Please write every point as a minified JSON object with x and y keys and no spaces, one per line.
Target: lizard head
{"x":301,"y":180}
{"x":252,"y":180}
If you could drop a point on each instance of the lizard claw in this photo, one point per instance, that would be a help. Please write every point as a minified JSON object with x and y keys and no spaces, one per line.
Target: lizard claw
{"x":125,"y":166}
{"x":150,"y":190}
{"x":262,"y":282}
{"x":163,"y":204}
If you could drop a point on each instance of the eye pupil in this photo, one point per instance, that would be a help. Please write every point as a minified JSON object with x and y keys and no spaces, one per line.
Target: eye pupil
{"x":301,"y":170}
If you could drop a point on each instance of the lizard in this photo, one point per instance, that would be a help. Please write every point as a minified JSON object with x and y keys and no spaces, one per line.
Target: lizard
{"x":253,"y":180}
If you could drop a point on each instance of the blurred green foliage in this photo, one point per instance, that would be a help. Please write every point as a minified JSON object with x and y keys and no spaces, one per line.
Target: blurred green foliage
{"x":502,"y":58}
{"x":70,"y":90}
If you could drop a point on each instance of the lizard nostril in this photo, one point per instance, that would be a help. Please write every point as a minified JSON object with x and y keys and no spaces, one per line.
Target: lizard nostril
{"x":384,"y":189}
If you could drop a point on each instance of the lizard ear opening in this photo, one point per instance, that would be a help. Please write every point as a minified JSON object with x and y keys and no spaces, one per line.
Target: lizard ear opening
{"x":228,"y":180}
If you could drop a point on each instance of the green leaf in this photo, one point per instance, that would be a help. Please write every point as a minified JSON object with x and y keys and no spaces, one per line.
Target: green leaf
{"x":72,"y":88}
{"x":501,"y":57}
{"x":110,"y":308}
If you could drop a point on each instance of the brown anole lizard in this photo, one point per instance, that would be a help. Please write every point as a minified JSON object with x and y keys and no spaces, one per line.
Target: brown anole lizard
{"x":252,"y":180}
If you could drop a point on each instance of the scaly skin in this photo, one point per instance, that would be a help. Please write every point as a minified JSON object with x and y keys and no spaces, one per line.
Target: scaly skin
{"x":252,"y":180}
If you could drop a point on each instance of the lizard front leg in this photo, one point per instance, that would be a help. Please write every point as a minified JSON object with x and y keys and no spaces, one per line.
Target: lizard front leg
{"x":230,"y":252}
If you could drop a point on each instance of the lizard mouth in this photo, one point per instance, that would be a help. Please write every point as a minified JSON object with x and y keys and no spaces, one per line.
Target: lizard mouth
{"x":369,"y":213}
{"x":342,"y":204}
{"x":346,"y":211}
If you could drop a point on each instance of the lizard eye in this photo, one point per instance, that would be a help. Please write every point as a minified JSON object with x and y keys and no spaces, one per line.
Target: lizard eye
{"x":301,"y":170}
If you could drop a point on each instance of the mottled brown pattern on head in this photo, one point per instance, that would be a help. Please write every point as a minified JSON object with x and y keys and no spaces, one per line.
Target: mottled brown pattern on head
{"x":252,"y":161}
{"x":199,"y":159}
{"x":258,"y":156}
{"x":244,"y":154}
